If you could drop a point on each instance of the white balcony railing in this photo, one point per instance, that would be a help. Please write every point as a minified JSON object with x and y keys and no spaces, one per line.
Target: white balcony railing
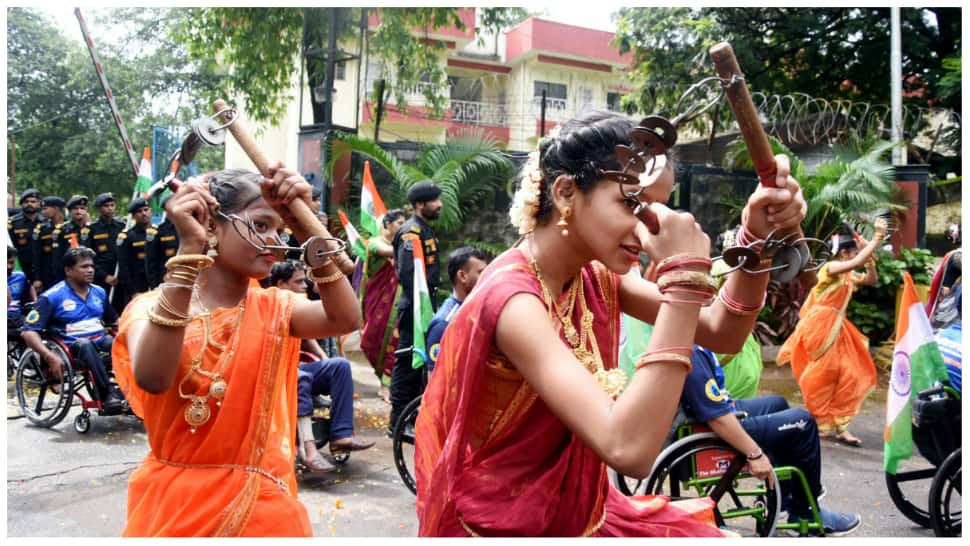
{"x":556,"y":109}
{"x":479,"y":113}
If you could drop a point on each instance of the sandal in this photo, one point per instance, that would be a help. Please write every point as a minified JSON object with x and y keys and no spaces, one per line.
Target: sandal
{"x":846,"y":437}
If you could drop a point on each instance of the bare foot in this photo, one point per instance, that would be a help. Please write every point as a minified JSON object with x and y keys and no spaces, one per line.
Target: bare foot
{"x":848,"y":439}
{"x":385,"y":394}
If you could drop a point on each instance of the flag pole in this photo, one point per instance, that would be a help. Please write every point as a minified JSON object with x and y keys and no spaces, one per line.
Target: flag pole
{"x":119,"y":123}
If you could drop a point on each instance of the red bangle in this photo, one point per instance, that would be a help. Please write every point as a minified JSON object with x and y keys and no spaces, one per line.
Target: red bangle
{"x":666,"y":266}
{"x":739,"y":308}
{"x":667,"y":350}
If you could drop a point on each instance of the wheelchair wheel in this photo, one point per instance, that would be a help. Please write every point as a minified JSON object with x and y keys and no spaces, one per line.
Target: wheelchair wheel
{"x":44,"y":399}
{"x":82,"y":423}
{"x":703,"y":465}
{"x":946,"y":498}
{"x":403,"y":444}
{"x":901,"y":497}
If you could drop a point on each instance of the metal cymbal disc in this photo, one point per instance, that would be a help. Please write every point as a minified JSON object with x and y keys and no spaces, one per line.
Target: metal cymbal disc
{"x":312,"y":252}
{"x":790,"y":257}
{"x":740,"y":255}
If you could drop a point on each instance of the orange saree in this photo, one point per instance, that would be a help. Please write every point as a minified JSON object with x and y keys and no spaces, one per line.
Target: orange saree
{"x":232,"y":476}
{"x":829,"y":356}
{"x":491,"y":459}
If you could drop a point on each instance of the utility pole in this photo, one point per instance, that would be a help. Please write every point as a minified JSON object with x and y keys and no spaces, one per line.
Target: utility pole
{"x":896,"y":86}
{"x":331,"y":66}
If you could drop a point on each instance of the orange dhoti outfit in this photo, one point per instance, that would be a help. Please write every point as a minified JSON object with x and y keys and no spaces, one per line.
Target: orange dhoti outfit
{"x":233,"y":475}
{"x":829,"y":356}
{"x":492,"y":459}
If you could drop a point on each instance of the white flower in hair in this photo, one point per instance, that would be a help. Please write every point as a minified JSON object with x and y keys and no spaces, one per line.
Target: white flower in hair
{"x":525,"y":204}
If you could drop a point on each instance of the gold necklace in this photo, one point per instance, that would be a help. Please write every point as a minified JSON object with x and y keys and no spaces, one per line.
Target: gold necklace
{"x":583,"y":344}
{"x":197,"y":412}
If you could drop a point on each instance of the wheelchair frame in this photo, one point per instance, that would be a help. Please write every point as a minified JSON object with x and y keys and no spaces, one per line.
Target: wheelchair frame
{"x":693,"y":440}
{"x":74,"y":383}
{"x":946,"y":478}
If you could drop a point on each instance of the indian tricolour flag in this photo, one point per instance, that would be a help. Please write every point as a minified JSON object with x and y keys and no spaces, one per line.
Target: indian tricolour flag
{"x":421,"y":303}
{"x":917,"y":364}
{"x":372,"y":209}
{"x":358,"y":244}
{"x":144,"y":181}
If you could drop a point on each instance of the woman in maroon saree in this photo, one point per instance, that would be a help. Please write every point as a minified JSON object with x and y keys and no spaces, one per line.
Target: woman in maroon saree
{"x":378,"y":296}
{"x":521,"y":417}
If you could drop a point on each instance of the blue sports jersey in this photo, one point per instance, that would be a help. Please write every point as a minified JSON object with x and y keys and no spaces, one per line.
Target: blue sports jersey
{"x":17,"y":285}
{"x":704,"y":397}
{"x":436,"y":328}
{"x":950,"y":340}
{"x":61,"y":311}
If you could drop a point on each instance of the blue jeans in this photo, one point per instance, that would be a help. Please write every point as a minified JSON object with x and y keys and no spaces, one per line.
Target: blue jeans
{"x":789,"y":437}
{"x":85,"y":353}
{"x":330,"y":377}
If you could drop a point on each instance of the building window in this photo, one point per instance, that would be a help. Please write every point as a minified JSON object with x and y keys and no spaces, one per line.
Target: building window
{"x":465,"y":89}
{"x":613,"y":102}
{"x":553,"y":90}
{"x":340,"y":71}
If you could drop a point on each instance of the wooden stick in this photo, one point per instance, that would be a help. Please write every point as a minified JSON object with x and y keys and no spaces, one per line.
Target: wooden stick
{"x":301,"y":211}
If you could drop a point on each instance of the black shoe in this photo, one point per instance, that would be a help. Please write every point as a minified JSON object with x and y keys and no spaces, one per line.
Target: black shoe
{"x":113,"y":403}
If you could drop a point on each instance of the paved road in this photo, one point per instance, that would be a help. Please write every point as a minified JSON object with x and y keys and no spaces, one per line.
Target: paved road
{"x":60,"y":483}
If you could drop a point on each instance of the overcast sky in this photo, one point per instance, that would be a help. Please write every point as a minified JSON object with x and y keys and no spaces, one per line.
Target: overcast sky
{"x":573,"y":13}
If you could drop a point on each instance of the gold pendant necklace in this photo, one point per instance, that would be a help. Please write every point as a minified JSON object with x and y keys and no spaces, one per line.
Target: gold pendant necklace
{"x":583,"y":343}
{"x":198,"y":412}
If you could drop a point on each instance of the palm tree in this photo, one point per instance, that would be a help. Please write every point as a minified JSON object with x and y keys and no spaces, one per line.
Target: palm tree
{"x":470,"y":167}
{"x":854,"y":186}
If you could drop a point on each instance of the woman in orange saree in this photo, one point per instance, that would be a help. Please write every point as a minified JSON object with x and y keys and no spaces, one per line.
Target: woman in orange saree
{"x":378,"y":299}
{"x":829,"y":356}
{"x":220,"y":409}
{"x":523,"y":415}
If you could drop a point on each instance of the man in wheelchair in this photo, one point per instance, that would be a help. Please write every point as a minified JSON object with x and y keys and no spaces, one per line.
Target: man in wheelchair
{"x":771,"y":433}
{"x":75,"y":311}
{"x":327,"y":376}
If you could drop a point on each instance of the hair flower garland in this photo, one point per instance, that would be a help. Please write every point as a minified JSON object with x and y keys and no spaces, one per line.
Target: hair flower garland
{"x":525,"y":203}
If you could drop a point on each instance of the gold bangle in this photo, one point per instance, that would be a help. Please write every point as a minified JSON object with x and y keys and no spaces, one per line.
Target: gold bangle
{"x":201,"y":261}
{"x":182,"y":276}
{"x":171,"y":323}
{"x":665,"y":357}
{"x":167,"y":306}
{"x":324,"y":280}
{"x":695,"y":278}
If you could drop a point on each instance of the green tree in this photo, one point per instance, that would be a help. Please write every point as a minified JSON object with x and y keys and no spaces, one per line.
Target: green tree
{"x":470,"y":168}
{"x":824,"y":52}
{"x":66,"y":138}
{"x":259,"y":48}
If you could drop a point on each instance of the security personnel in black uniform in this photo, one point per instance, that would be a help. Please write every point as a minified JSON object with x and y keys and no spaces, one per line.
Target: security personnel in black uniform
{"x":132,"y":251}
{"x":160,"y":248}
{"x":425,"y":198}
{"x":103,"y":236}
{"x":42,"y":242}
{"x":21,"y":228}
{"x":76,"y":227}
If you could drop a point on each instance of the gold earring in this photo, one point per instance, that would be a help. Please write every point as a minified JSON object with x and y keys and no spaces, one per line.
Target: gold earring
{"x":563,"y":221}
{"x":213,"y":243}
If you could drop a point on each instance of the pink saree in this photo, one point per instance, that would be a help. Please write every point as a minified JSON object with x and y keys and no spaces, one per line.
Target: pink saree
{"x":491,"y":459}
{"x":378,"y":297}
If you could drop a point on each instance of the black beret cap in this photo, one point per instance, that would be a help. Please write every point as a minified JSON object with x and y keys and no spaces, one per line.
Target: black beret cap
{"x":137,"y":204}
{"x":29,"y":192}
{"x":77,"y":201}
{"x":53,"y":201}
{"x":103,"y":198}
{"x":423,"y":191}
